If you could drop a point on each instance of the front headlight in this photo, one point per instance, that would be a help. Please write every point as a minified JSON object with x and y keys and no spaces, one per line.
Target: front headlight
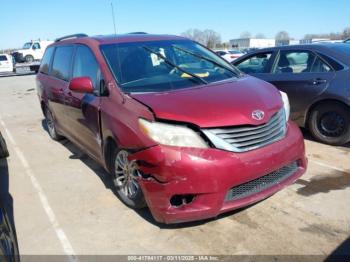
{"x":286,"y":104}
{"x":171,"y":135}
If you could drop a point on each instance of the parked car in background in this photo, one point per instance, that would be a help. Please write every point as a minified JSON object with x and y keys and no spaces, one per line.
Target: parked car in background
{"x":178,"y":128}
{"x":316,"y":78}
{"x":6,"y":63}
{"x":33,"y":50}
{"x":8,"y":239}
{"x":249,"y":50}
{"x":229,"y":55}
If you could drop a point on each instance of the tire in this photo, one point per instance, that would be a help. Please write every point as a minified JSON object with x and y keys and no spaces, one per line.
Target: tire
{"x":3,"y":148}
{"x":51,"y":126}
{"x":123,"y":186}
{"x":29,"y":58}
{"x":329,"y":123}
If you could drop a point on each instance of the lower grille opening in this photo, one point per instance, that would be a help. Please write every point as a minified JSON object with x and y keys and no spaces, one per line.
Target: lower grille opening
{"x":181,"y":200}
{"x":261,"y":183}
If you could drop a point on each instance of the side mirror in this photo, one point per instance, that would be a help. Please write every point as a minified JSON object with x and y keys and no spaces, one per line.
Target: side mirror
{"x":81,"y":85}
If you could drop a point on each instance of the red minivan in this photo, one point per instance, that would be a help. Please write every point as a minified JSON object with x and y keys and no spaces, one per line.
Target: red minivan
{"x":179,"y":129}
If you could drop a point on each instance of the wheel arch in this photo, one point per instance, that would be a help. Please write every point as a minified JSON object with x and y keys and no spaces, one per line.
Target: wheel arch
{"x":43,"y":106}
{"x":110,"y":143}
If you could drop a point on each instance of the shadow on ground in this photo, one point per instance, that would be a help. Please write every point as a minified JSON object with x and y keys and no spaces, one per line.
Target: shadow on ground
{"x":324,"y":183}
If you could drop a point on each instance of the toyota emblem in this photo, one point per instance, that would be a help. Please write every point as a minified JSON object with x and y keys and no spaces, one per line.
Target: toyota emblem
{"x":258,"y":114}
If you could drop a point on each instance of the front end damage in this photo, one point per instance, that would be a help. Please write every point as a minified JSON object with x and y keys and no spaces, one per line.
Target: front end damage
{"x":186,"y":184}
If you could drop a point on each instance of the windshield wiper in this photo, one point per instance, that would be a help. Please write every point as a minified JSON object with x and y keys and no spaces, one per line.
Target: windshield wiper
{"x":207,"y":59}
{"x":166,"y":60}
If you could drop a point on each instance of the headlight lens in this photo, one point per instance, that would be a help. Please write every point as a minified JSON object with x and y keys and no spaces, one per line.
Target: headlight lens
{"x":286,"y":104}
{"x":172,"y":135}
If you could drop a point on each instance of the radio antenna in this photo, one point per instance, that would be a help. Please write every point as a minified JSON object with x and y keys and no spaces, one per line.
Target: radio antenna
{"x":112,"y":7}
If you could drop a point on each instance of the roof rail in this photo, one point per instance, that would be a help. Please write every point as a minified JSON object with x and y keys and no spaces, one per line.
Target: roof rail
{"x":137,"y":33}
{"x":70,"y":36}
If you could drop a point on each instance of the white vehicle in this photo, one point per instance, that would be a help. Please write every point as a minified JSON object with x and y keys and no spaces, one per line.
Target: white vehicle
{"x":229,"y":55}
{"x":6,"y":63}
{"x":33,"y":50}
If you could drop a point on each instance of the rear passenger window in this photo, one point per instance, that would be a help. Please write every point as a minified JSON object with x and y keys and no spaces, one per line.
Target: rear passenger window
{"x":85,"y":64}
{"x":3,"y":58}
{"x":45,"y":62}
{"x":300,"y":62}
{"x":62,"y":62}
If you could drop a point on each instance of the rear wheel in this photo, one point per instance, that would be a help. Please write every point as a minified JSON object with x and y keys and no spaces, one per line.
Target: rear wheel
{"x":330,"y":123}
{"x":125,"y":178}
{"x":29,"y":58}
{"x":51,"y":126}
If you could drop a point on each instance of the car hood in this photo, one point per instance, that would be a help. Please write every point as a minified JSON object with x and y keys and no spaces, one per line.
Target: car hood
{"x":227,"y":103}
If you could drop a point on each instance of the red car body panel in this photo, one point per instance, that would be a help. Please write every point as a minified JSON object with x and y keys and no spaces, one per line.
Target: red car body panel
{"x":91,"y":122}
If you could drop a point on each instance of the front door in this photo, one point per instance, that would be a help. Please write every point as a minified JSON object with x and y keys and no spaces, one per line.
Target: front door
{"x":82,"y":110}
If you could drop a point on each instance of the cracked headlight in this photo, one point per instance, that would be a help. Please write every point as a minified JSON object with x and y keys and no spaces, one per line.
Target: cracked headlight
{"x":171,"y":135}
{"x":286,"y":104}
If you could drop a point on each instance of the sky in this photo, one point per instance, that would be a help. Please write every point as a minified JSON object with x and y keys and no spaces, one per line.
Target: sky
{"x":25,"y":20}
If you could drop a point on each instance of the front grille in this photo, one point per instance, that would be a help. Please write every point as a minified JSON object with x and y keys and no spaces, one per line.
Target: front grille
{"x":246,"y":138}
{"x":261,"y":183}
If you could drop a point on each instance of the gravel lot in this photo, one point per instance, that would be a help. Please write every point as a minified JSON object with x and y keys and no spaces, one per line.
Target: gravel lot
{"x":63,"y":202}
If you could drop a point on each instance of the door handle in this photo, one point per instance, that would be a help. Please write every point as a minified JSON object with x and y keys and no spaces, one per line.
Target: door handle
{"x":318,"y":81}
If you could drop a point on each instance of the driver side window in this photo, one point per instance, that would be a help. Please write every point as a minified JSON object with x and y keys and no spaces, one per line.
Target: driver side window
{"x":255,"y":64}
{"x":85,"y":65}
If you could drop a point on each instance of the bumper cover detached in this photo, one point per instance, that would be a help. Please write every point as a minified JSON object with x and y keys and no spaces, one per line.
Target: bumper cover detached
{"x":187,"y":184}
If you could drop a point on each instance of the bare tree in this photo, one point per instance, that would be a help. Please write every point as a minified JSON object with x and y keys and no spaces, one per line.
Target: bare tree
{"x":282,"y":35}
{"x":208,"y":37}
{"x":260,"y":35}
{"x":211,"y":38}
{"x":194,"y":34}
{"x":245,"y":34}
{"x":331,"y":36}
{"x":346,"y":33}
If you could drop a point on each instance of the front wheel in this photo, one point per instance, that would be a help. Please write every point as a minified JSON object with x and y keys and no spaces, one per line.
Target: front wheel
{"x":29,"y":58}
{"x":330,"y":123}
{"x":51,"y":126}
{"x":125,"y":178}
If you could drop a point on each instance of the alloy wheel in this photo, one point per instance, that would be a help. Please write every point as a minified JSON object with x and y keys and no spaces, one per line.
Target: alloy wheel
{"x":125,"y":175}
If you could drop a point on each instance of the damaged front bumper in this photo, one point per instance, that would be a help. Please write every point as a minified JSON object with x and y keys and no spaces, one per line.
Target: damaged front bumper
{"x":187,"y":184}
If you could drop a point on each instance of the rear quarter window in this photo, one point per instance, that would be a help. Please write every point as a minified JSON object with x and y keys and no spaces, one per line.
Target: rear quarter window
{"x":61,"y":65}
{"x":45,"y":62}
{"x":335,"y":65}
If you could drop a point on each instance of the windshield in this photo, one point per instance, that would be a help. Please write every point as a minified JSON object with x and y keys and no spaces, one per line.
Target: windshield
{"x":27,"y":45}
{"x":159,"y":66}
